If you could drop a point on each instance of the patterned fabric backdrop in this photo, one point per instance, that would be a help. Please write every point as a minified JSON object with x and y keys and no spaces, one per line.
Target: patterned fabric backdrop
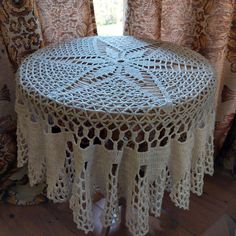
{"x":65,"y":19}
{"x":25,"y":26}
{"x":206,"y":26}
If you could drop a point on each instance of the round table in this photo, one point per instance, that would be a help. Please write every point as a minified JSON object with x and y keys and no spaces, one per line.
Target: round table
{"x":127,"y":117}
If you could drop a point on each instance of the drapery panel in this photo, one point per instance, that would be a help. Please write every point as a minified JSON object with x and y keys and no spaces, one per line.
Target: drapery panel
{"x":206,"y":26}
{"x":26,"y":26}
{"x":66,"y":19}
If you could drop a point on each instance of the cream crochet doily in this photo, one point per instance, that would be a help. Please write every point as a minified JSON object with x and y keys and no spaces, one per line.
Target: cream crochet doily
{"x":128,"y":117}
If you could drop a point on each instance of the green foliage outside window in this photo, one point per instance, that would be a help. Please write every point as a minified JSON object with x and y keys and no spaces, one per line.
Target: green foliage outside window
{"x":108,"y":11}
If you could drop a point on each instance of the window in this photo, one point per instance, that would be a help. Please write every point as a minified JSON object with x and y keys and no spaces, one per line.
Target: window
{"x":109,"y":16}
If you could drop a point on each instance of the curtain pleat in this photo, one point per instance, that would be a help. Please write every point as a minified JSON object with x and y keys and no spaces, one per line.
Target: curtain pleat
{"x":26,"y":26}
{"x":206,"y":26}
{"x":20,"y":28}
{"x":64,"y":20}
{"x":20,"y":36}
{"x":143,"y":18}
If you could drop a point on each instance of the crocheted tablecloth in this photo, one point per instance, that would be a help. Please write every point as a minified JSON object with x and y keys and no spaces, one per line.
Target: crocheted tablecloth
{"x":127,"y":117}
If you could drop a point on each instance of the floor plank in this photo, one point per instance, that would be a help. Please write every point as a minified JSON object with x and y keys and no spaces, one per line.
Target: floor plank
{"x":50,"y":219}
{"x":31,"y":220}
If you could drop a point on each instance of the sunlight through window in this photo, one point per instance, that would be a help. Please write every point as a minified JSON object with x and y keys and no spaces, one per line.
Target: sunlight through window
{"x":109,"y":16}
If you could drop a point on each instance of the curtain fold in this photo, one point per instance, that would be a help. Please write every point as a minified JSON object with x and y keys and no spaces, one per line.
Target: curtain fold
{"x":20,"y":36}
{"x":62,"y":20}
{"x":20,"y":29}
{"x":206,"y":26}
{"x":143,"y":18}
{"x":26,"y":26}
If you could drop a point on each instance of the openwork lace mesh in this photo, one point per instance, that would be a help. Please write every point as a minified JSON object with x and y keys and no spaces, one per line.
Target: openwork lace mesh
{"x":129,"y":117}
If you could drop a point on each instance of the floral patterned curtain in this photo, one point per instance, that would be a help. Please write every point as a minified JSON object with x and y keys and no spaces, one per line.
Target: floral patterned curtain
{"x":26,"y":26}
{"x":208,"y":27}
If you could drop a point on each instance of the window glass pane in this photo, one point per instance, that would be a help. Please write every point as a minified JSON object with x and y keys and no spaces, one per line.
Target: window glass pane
{"x":109,"y":16}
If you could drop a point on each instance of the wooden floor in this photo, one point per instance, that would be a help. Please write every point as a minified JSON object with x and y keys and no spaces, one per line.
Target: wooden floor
{"x":49,"y":219}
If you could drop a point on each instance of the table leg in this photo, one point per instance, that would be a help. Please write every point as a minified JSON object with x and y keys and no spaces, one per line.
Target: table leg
{"x":122,"y":206}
